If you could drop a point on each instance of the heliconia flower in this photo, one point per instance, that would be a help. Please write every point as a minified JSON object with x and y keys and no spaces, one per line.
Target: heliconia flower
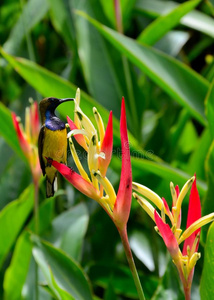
{"x":99,"y":147}
{"x":194,"y":214}
{"x":28,"y":137}
{"x":124,"y":195}
{"x":173,"y":236}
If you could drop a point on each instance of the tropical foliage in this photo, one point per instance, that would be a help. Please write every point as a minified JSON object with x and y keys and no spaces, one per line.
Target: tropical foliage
{"x":158,"y":54}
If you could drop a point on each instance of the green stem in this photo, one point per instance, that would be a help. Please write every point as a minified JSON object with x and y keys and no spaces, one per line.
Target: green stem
{"x":187,"y":283}
{"x":29,"y":42}
{"x":36,"y":222}
{"x":125,"y":241}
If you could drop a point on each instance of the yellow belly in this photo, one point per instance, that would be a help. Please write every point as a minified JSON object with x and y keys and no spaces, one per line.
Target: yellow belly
{"x":55,"y":147}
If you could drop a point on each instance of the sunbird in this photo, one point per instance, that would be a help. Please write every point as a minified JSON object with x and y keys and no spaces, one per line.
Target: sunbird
{"x":52,"y":143}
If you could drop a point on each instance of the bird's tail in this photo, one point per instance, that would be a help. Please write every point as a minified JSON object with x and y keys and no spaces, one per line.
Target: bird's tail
{"x":51,"y":187}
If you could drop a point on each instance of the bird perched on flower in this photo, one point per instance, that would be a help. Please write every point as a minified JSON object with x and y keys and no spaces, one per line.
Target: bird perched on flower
{"x":52,"y":141}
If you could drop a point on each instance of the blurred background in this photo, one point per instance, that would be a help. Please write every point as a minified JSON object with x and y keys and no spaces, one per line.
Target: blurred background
{"x":158,"y":55}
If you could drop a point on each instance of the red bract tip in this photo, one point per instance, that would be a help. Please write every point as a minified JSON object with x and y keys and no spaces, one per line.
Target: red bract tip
{"x":167,"y":235}
{"x":106,"y":147}
{"x":78,"y":137}
{"x":22,"y":141}
{"x":124,"y":195}
{"x":166,"y":205}
{"x":194,"y":213}
{"x":34,"y":116}
{"x":177,"y":190}
{"x":76,"y":180}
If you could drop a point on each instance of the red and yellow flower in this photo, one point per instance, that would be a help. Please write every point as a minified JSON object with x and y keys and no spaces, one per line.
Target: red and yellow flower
{"x":172,"y":234}
{"x":98,"y":144}
{"x":28,"y":137}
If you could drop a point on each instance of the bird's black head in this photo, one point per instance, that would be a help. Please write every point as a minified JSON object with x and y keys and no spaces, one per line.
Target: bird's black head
{"x":48,"y":105}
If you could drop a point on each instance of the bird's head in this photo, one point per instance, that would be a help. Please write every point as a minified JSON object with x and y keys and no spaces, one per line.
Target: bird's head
{"x":48,"y":106}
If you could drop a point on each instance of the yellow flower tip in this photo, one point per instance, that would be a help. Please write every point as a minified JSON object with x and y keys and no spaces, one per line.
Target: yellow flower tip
{"x":77,"y":97}
{"x":18,"y":119}
{"x":157,"y":230}
{"x":149,"y":209}
{"x":30,"y":100}
{"x":194,"y":226}
{"x":163,"y":216}
{"x":100,"y":125}
{"x":109,"y":190}
{"x":152,"y":196}
{"x":94,"y":110}
{"x":67,"y":125}
{"x":193,"y":260}
{"x":172,"y":188}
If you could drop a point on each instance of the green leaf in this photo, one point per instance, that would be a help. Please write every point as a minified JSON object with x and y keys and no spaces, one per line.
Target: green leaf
{"x":93,"y":48}
{"x":16,"y":273}
{"x":62,"y":21}
{"x":68,"y":231}
{"x":32,"y":13}
{"x":206,"y":286}
{"x":67,"y":274}
{"x":198,"y":157}
{"x":210,"y":108}
{"x":59,"y":292}
{"x":12,"y":219}
{"x":208,"y":203}
{"x":47,"y":83}
{"x":170,"y":286}
{"x":195,"y":19}
{"x":157,"y":29}
{"x":182,"y":83}
{"x":109,"y":293}
{"x":7,"y":130}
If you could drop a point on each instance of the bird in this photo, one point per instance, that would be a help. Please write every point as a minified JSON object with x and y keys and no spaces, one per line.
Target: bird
{"x":52,"y":142}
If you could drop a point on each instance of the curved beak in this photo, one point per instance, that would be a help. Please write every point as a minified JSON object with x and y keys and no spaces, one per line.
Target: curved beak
{"x":65,"y":100}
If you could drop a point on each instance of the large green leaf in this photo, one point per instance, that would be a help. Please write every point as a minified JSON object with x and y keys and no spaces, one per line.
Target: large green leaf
{"x":198,"y":157}
{"x":68,"y":231}
{"x":179,"y":81}
{"x":194,"y":19}
{"x":62,"y":21}
{"x":32,"y":13}
{"x":210,"y":108}
{"x":157,"y":29}
{"x":49,"y":84}
{"x":7,"y":130}
{"x":208,"y":203}
{"x":95,"y":57}
{"x":12,"y":218}
{"x":67,"y":274}
{"x":17,"y":271}
{"x":206,"y":286}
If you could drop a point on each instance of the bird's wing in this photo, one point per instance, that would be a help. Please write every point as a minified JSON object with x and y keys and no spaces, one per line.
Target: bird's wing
{"x":40,"y":148}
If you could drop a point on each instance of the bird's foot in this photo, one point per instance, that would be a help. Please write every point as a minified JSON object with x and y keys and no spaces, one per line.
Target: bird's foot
{"x":49,"y":161}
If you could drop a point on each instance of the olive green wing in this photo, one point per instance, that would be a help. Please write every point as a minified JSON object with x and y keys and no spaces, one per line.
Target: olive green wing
{"x":40,"y":148}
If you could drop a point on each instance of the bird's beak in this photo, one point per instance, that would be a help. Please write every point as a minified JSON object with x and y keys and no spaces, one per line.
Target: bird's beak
{"x":65,"y":100}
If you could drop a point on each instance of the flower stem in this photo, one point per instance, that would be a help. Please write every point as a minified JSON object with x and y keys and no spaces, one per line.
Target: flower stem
{"x":36,"y":222}
{"x":187,"y":283}
{"x":125,"y":241}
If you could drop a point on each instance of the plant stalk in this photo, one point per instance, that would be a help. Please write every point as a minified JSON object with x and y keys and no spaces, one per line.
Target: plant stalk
{"x":125,"y":241}
{"x":36,"y":223}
